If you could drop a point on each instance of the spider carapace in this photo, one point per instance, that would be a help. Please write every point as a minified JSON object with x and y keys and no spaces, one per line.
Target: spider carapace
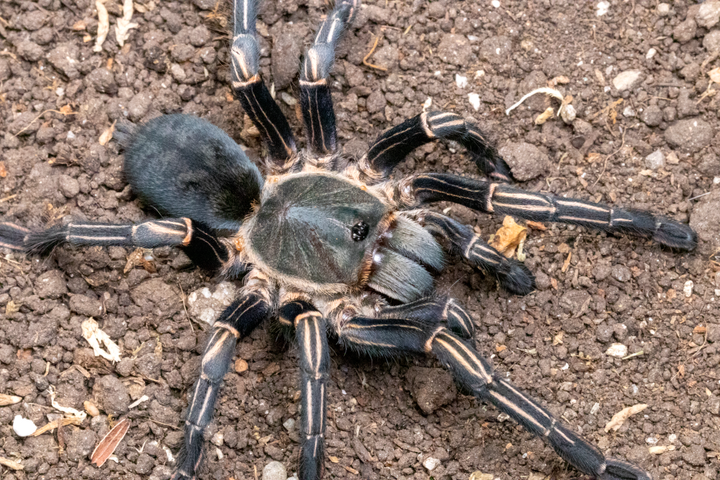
{"x":330,"y":245}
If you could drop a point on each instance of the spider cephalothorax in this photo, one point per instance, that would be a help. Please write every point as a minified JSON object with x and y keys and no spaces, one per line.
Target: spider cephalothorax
{"x":329,"y":244}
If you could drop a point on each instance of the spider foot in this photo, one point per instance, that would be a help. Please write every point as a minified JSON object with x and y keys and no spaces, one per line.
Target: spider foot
{"x":517,"y":278}
{"x":675,"y":234}
{"x":619,"y":470}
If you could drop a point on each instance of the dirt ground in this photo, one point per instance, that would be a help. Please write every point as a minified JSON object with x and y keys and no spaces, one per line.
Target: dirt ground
{"x":58,"y":96}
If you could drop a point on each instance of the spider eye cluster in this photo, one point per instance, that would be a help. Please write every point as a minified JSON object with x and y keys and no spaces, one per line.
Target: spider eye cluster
{"x":360,"y":231}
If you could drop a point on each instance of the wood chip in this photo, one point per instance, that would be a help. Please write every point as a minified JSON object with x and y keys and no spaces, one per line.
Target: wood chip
{"x":352,"y":470}
{"x":6,"y":400}
{"x":240,"y":365}
{"x":6,"y":462}
{"x":536,"y":225}
{"x":701,"y":330}
{"x":96,"y":337}
{"x":566,"y":263}
{"x":106,"y":136}
{"x":3,"y":170}
{"x":57,"y":424}
{"x":619,"y":418}
{"x":658,"y":449}
{"x":109,"y":443}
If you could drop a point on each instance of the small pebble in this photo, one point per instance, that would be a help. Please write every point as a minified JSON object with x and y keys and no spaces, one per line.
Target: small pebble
{"x":688,"y":288}
{"x":274,"y":471}
{"x":474,"y":100}
{"x":91,"y":409}
{"x":240,"y":365}
{"x":655,"y":160}
{"x":217,"y":439}
{"x":431,"y":463}
{"x":23,"y":427}
{"x":617,"y":350}
{"x":289,"y":424}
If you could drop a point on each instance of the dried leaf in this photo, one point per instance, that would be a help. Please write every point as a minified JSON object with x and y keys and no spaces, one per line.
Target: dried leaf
{"x":95,"y":337}
{"x":6,"y":400}
{"x":619,"y":418}
{"x":103,"y":25}
{"x":57,"y":424}
{"x":3,"y":170}
{"x":558,"y":339}
{"x":508,"y":237}
{"x":109,"y":443}
{"x":6,"y":462}
{"x":714,"y":75}
{"x":124,"y":25}
{"x":106,"y":136}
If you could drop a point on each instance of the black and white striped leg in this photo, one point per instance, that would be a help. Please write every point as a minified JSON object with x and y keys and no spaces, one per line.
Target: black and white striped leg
{"x":203,"y":248}
{"x":506,"y":200}
{"x":512,"y":275}
{"x":476,"y":374}
{"x":448,"y":311}
{"x":395,"y":144}
{"x":315,"y":98}
{"x":311,"y":338}
{"x":251,"y":91}
{"x":236,"y":322}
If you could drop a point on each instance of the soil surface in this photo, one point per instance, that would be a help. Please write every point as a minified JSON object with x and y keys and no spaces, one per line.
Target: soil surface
{"x":645,"y":136}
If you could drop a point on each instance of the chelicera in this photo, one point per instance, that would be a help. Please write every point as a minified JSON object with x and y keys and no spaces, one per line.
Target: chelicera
{"x":330,"y":246}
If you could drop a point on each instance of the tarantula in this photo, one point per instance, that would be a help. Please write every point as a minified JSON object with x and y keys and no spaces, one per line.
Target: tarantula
{"x":330,"y":245}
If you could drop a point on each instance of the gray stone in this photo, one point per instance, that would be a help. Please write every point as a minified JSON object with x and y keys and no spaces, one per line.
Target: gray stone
{"x":652,"y":116}
{"x":705,"y":219}
{"x":455,"y":49}
{"x":375,"y":102}
{"x":51,"y":284}
{"x":286,"y":52}
{"x":182,"y":53}
{"x":64,"y":59}
{"x":30,"y":51}
{"x":685,"y":31}
{"x":655,"y":160}
{"x":33,"y":20}
{"x":85,"y":305}
{"x":274,"y":471}
{"x":621,"y":273}
{"x":691,"y":134}
{"x":139,"y":105}
{"x":431,"y":387}
{"x":711,"y":42}
{"x":709,"y":165}
{"x":496,"y":50}
{"x":695,"y":455}
{"x":205,"y":4}
{"x":69,"y":186}
{"x":199,"y":36}
{"x":709,"y":14}
{"x":111,"y":395}
{"x":79,"y":443}
{"x":627,"y":79}
{"x":526,"y":161}
{"x":103,"y":81}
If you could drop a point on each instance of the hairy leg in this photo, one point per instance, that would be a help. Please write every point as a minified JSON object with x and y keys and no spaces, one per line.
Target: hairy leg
{"x":390,"y":336}
{"x":198,"y":242}
{"x":236,"y":322}
{"x":506,"y":200}
{"x":392,"y":146}
{"x":250,"y":89}
{"x":311,"y":338}
{"x":315,"y":98}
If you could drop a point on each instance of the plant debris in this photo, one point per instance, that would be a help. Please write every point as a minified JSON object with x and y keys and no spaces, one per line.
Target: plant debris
{"x":60,"y":422}
{"x":619,"y":418}
{"x":95,"y":337}
{"x":109,"y":443}
{"x":103,"y":25}
{"x":508,"y":237}
{"x":6,"y":400}
{"x":124,"y":25}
